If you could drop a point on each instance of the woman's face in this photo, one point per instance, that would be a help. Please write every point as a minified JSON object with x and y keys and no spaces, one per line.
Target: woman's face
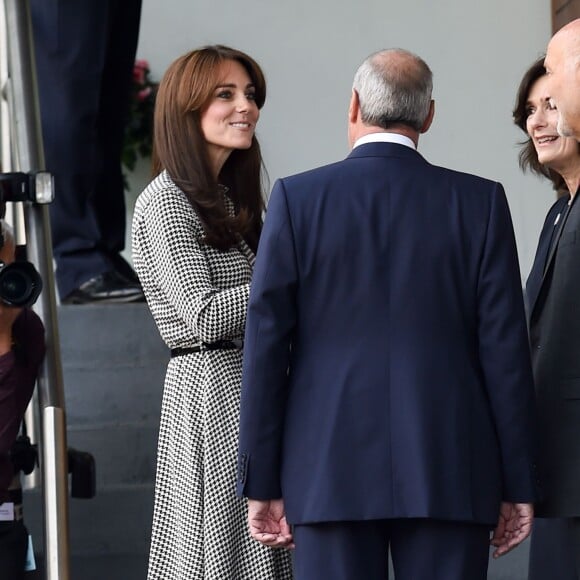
{"x":229,"y":120}
{"x":542,"y":119}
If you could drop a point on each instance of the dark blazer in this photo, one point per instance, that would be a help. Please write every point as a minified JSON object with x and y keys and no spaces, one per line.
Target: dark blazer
{"x":386,"y":364}
{"x":554,"y":319}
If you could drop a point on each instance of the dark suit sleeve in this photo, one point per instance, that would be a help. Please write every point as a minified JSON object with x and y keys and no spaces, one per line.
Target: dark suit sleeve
{"x":269,"y":327}
{"x":504,"y":352}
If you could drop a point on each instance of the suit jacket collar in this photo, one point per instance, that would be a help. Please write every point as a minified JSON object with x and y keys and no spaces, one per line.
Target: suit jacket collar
{"x":537,"y":277}
{"x":382,"y":149}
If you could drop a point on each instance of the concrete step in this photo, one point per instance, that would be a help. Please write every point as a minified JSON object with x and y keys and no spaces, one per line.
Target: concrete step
{"x":115,"y":522}
{"x":114,"y":363}
{"x":113,"y":567}
{"x":125,"y":453}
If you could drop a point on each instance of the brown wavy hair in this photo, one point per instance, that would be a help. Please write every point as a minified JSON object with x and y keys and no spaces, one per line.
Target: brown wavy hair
{"x":180,"y":147}
{"x":528,"y":157}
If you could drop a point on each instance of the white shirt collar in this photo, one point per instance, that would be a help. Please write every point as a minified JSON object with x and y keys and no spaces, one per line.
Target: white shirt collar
{"x":385,"y":138}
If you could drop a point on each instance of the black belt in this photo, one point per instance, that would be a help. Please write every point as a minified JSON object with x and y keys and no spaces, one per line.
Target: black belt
{"x":204,"y":346}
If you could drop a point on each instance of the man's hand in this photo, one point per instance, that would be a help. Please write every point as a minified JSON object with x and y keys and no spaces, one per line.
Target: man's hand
{"x":268,"y":525}
{"x":513,"y":527}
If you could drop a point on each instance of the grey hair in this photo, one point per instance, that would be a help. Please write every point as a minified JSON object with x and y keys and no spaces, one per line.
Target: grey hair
{"x":394,"y":88}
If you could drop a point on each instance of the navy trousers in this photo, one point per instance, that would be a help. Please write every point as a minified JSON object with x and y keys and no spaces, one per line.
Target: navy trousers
{"x":420,"y":550}
{"x":13,"y":547}
{"x":85,"y":52}
{"x":555,"y":549}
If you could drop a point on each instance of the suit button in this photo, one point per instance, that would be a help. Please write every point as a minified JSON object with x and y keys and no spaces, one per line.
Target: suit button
{"x":243,"y":467}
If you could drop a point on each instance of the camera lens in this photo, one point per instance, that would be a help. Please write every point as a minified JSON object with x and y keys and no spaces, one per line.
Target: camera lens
{"x":20,"y":284}
{"x":14,"y":285}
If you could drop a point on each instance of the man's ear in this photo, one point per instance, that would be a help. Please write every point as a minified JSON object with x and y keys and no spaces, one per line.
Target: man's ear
{"x":429,"y":118}
{"x":353,"y":107}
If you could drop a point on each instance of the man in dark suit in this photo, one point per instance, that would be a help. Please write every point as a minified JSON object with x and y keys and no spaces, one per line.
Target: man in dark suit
{"x":387,"y":395}
{"x":85,"y":52}
{"x":554,"y":319}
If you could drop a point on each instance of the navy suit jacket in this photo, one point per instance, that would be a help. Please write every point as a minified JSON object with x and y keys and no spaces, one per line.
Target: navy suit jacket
{"x":386,"y":364}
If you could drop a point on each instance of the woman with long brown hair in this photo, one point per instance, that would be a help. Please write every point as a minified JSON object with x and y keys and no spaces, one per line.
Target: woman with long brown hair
{"x":195,"y":231}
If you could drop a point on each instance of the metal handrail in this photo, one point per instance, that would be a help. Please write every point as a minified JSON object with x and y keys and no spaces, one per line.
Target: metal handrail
{"x":28,"y":155}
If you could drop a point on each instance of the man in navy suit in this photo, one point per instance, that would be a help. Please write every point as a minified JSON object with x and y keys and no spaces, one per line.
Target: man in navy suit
{"x":387,"y":396}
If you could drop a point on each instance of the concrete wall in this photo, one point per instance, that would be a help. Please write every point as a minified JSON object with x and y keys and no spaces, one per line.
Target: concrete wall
{"x":310,"y":49}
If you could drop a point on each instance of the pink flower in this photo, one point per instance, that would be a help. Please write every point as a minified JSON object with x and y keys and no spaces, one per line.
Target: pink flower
{"x":140,"y":70}
{"x":143,"y":94}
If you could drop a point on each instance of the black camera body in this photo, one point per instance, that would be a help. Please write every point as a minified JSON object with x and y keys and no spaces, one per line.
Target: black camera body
{"x":24,"y":455}
{"x":20,"y":282}
{"x":81,"y":466}
{"x":34,"y":186}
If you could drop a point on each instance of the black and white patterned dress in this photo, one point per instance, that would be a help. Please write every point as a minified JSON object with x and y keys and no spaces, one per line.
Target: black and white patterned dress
{"x":197,"y":294}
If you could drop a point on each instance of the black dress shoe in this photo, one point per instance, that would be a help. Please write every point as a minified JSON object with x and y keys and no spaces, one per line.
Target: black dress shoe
{"x":121,"y":266}
{"x":108,"y":288}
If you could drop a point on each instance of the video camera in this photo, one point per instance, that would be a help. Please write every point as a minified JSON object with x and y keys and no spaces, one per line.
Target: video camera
{"x":20,"y":282}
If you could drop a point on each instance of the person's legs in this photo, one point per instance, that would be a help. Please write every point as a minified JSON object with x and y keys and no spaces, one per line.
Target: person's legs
{"x":574,"y":524}
{"x":552,"y":550}
{"x":341,"y":551}
{"x":71,"y":41}
{"x":123,"y":31}
{"x":13,"y":547}
{"x":423,"y":549}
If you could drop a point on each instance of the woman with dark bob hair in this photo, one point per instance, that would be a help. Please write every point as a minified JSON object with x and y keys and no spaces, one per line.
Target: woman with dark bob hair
{"x":195,"y":231}
{"x":552,"y":292}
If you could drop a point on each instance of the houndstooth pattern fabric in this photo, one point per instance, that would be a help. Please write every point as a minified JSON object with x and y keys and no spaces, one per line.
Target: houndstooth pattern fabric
{"x":197,"y":294}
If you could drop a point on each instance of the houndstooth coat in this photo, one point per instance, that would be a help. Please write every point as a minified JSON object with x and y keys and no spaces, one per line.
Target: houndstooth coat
{"x":197,"y":294}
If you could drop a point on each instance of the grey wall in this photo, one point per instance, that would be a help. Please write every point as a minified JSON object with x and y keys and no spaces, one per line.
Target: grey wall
{"x":310,"y":49}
